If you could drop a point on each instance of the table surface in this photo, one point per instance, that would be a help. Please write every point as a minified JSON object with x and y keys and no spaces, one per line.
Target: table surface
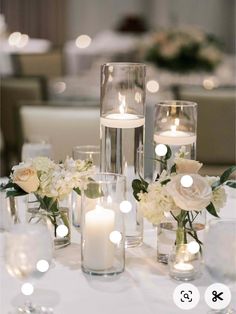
{"x":144,"y":287}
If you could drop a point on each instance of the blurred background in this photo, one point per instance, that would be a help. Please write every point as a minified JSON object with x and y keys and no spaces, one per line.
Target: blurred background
{"x":50,"y":58}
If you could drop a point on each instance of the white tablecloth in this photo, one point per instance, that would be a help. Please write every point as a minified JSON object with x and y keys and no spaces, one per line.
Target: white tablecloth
{"x":144,"y":288}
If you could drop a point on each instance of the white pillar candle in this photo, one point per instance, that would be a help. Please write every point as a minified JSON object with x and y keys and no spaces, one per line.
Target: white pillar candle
{"x":122,"y":120}
{"x":175,"y":137}
{"x":183,"y":266}
{"x":98,"y":249}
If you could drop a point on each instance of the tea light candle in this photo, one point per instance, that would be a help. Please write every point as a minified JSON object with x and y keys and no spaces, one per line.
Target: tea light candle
{"x":175,"y":137}
{"x":183,"y":266}
{"x":98,"y":249}
{"x":122,"y":120}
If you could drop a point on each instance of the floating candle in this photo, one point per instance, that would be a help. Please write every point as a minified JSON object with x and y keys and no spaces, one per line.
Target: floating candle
{"x":183,"y":266}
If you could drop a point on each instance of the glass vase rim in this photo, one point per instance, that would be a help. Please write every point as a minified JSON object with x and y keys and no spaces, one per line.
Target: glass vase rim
{"x":82,"y":148}
{"x":115,"y":175}
{"x":107,"y":64}
{"x":177,"y":103}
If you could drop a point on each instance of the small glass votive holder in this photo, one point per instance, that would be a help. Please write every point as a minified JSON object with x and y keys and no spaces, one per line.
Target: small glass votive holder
{"x":102,"y":225}
{"x":36,"y":145}
{"x":176,"y":126}
{"x":91,"y":152}
{"x":185,"y":262}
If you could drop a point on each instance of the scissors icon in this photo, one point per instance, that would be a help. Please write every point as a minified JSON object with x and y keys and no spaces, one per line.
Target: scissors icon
{"x":217,"y":296}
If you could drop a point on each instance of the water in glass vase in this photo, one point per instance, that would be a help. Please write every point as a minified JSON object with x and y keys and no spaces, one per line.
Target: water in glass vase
{"x":166,"y":236}
{"x":175,"y":141}
{"x":120,"y":141}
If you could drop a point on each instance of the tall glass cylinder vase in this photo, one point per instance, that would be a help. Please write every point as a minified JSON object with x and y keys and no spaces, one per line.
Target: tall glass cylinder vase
{"x":102,"y":225}
{"x":122,"y":131}
{"x":175,"y":126}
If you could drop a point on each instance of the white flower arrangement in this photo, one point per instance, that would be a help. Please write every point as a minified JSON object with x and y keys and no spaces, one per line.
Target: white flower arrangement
{"x":184,"y":50}
{"x":50,"y":182}
{"x":169,"y":195}
{"x":46,"y":178}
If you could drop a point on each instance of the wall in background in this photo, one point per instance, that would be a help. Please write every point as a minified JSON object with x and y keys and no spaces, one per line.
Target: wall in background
{"x":90,"y":17}
{"x":37,"y":18}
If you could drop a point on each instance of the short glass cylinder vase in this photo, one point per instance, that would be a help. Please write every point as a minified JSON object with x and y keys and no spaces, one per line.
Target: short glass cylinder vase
{"x":122,"y":124}
{"x":57,"y":219}
{"x":175,"y":126}
{"x":102,"y":225}
{"x":168,"y":234}
{"x":184,"y":262}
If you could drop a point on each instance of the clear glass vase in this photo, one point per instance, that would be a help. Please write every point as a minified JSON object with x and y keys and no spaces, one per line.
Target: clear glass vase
{"x":183,"y":262}
{"x":170,"y":233}
{"x":57,"y":220}
{"x":122,"y":123}
{"x":175,"y":126}
{"x":102,"y":225}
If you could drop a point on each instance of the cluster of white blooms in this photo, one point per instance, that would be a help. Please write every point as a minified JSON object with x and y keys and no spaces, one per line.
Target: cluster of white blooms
{"x":182,"y":153}
{"x":173,"y":197}
{"x":177,"y":44}
{"x":218,"y":195}
{"x":156,"y":201}
{"x":54,"y":180}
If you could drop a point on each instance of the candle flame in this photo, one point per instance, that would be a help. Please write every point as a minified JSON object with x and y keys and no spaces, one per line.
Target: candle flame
{"x":173,"y":128}
{"x":122,"y":107}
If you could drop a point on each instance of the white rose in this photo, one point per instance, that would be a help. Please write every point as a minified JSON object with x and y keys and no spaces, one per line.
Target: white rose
{"x":187,"y":166}
{"x":26,"y":178}
{"x":196,"y":197}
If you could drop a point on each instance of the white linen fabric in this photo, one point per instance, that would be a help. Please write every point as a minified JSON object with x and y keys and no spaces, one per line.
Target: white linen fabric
{"x":144,"y":288}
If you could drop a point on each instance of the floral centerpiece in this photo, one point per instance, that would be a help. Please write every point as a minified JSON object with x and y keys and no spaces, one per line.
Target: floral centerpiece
{"x":168,"y":194}
{"x":184,"y":50}
{"x":50,"y":182}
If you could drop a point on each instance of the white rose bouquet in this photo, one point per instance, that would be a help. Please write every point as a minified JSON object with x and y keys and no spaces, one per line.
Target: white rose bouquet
{"x":184,"y":50}
{"x":50,"y":182}
{"x":169,"y":194}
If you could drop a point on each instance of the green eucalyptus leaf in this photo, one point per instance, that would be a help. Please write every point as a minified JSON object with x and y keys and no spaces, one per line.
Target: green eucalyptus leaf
{"x":173,"y":169}
{"x":15,"y":193}
{"x":165,"y":182}
{"x":211,"y":209}
{"x":225,"y":176}
{"x":169,"y":153}
{"x":77,"y":190}
{"x":93,"y":190}
{"x":139,"y":186}
{"x":231,"y":184}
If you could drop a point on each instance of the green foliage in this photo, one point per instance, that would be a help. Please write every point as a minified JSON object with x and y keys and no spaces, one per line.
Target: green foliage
{"x":224,"y":178}
{"x":211,"y":209}
{"x":231,"y":184}
{"x":93,"y":190}
{"x":12,"y":189}
{"x":139,"y":186}
{"x":173,"y":169}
